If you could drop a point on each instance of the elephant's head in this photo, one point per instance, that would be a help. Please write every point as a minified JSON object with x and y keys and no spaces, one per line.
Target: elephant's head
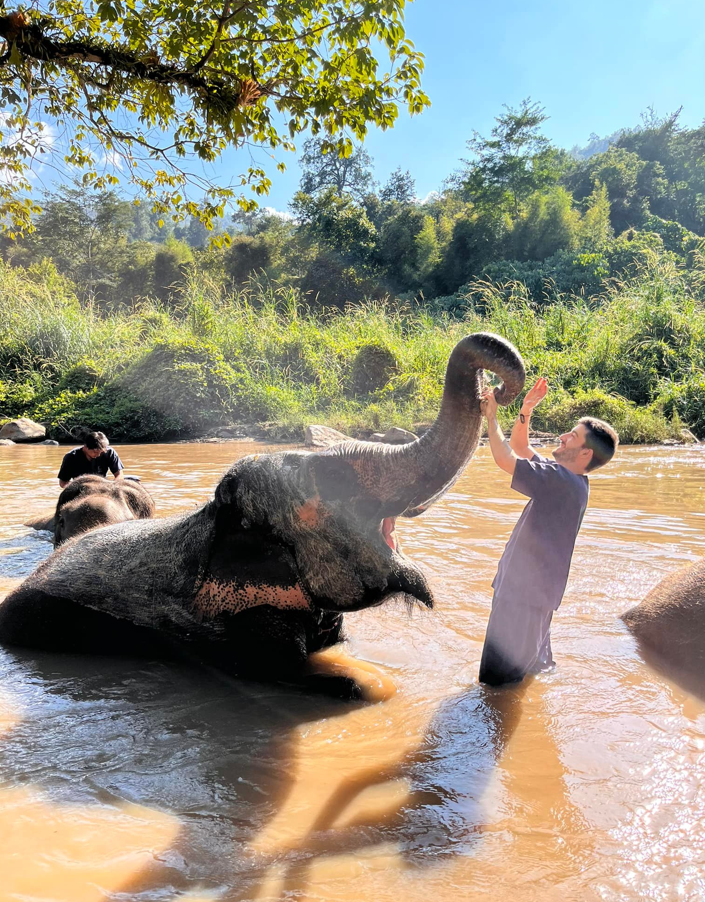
{"x":84,"y":514}
{"x":335,"y":511}
{"x":90,"y":502}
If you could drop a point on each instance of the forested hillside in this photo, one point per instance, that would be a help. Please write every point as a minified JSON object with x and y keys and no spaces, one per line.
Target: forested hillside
{"x":517,"y":208}
{"x":344,"y":311}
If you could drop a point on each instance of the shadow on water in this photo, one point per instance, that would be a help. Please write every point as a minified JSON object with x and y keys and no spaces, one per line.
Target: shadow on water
{"x":218,"y":754}
{"x":692,"y":680}
{"x":221,"y":756}
{"x":442,"y":815}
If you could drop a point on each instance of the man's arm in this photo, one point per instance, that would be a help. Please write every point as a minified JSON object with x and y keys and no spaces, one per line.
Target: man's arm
{"x":503,"y":455}
{"x":519,"y":440}
{"x":115,"y":464}
{"x":64,"y":475}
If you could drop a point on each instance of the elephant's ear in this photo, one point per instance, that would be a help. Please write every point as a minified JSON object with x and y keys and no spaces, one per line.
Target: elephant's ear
{"x":58,"y":528}
{"x":254,"y":491}
{"x":244,"y":478}
{"x":247,"y":567}
{"x":226,"y":490}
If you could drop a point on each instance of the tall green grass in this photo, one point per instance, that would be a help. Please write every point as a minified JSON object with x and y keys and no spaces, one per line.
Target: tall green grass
{"x":635,"y":357}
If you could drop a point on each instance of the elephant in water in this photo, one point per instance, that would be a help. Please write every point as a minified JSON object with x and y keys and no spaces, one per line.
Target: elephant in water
{"x":259,"y":578}
{"x":89,"y":502}
{"x":670,"y":626}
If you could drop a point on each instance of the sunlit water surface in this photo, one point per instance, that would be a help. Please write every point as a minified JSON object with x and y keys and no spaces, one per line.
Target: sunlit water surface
{"x":128,"y":780}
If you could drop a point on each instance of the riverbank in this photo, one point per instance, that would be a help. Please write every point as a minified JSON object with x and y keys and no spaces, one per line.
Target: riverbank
{"x":270,"y":435}
{"x":258,"y":361}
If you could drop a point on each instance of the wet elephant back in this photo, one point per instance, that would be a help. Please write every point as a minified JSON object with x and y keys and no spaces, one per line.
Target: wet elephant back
{"x":144,"y":571}
{"x":671,"y":619}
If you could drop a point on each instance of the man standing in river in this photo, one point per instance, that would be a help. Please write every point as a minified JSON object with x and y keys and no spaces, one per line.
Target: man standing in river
{"x":533,"y":571}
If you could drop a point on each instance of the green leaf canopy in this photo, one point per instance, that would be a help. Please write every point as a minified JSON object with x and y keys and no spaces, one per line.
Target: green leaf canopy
{"x":146,"y":91}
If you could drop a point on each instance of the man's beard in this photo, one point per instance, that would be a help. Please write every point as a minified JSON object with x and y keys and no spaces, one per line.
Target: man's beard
{"x":565,"y":455}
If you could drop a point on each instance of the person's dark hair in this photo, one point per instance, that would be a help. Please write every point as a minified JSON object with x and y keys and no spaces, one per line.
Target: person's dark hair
{"x":601,"y":439}
{"x":96,"y":441}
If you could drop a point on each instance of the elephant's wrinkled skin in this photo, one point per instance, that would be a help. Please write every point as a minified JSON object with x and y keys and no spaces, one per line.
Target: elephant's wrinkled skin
{"x":670,"y":624}
{"x":258,"y":578}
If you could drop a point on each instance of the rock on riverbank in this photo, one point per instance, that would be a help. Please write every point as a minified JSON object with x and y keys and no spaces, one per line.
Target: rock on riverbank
{"x":23,"y":430}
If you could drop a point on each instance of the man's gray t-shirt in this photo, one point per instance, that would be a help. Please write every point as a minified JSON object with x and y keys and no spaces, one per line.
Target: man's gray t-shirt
{"x":534,"y":567}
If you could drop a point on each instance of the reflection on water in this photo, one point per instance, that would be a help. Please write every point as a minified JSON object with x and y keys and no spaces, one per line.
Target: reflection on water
{"x":150,"y":781}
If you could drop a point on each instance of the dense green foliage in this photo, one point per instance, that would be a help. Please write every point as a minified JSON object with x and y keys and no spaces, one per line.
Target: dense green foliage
{"x":519,"y":209}
{"x":144,"y":92}
{"x":259,"y":356}
{"x":345,"y":313}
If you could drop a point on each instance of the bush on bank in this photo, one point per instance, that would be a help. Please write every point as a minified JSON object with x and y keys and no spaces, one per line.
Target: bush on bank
{"x":636,"y":357}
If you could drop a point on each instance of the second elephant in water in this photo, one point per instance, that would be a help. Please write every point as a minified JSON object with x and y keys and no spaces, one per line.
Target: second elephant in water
{"x":260,"y":577}
{"x":90,"y":502}
{"x":670,"y":626}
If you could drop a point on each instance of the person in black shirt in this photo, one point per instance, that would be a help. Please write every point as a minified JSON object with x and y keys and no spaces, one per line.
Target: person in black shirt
{"x":96,"y":457}
{"x":533,"y":571}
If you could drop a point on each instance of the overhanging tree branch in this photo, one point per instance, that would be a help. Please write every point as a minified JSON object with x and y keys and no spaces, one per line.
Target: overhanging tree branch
{"x":30,"y":41}
{"x":108,"y":82}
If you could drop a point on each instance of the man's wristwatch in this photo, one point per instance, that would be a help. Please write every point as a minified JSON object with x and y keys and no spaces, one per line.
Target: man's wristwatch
{"x":523,"y":416}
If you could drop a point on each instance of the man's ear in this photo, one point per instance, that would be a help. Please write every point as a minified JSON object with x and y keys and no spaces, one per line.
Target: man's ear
{"x":586,"y":454}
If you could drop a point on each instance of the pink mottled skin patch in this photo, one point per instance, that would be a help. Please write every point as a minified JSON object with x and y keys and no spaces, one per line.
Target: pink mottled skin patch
{"x":219,"y":597}
{"x":309,"y":513}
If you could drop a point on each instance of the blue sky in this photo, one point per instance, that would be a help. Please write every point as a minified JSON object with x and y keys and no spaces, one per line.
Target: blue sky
{"x":594,"y":66}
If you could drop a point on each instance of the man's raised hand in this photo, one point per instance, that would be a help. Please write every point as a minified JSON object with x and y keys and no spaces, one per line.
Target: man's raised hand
{"x":488,"y":403}
{"x":535,"y":395}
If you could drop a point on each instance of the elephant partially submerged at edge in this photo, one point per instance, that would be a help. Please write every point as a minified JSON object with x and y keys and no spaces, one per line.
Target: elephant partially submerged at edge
{"x":670,"y":626}
{"x":259,"y":578}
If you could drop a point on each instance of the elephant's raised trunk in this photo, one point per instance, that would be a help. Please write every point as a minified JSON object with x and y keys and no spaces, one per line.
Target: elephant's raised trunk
{"x":443,"y":452}
{"x":405,"y":480}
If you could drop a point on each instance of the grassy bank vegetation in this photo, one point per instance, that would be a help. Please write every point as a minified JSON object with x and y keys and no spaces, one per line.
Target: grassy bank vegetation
{"x":590,"y":261}
{"x":634,"y":356}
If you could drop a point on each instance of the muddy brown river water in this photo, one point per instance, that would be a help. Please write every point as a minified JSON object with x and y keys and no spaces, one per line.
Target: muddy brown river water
{"x":132,"y":780}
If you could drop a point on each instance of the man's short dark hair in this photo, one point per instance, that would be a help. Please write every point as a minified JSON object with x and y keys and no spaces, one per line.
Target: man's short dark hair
{"x":601,"y":439}
{"x":96,"y":441}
